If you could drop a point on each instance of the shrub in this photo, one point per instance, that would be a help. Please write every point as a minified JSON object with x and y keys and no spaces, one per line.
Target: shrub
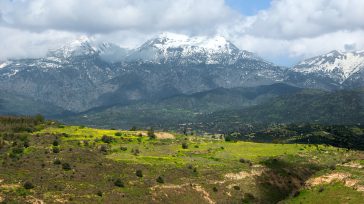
{"x":123,"y":148}
{"x":248,"y":198}
{"x":55,"y":143}
{"x":18,"y":150}
{"x":184,"y":145}
{"x":103,"y":148}
{"x":57,"y":162}
{"x":160,"y":179}
{"x":55,"y":150}
{"x":134,"y":128}
{"x":139,"y":173}
{"x":135,"y":151}
{"x":66,"y":166}
{"x":28,"y":185}
{"x":119,"y":183}
{"x":107,"y":139}
{"x":118,"y":134}
{"x":228,"y":139}
{"x":214,"y":189}
{"x":26,"y":144}
{"x":151,"y":134}
{"x":99,"y":193}
{"x":39,"y":118}
{"x":321,"y":189}
{"x":236,"y":188}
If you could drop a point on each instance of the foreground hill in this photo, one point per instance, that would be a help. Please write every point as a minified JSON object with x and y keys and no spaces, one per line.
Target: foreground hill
{"x":43,"y":161}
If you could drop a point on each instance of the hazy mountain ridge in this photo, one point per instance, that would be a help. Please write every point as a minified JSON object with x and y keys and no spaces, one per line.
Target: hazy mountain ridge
{"x":85,"y":74}
{"x":77,"y":77}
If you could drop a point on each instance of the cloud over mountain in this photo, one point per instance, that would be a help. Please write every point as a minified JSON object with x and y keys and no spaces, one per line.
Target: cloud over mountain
{"x":286,"y":32}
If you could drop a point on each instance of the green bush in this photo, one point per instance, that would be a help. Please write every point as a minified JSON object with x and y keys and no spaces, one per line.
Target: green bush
{"x":119,"y":183}
{"x":28,"y":185}
{"x":55,"y":149}
{"x":99,"y":193}
{"x":66,"y":166}
{"x":139,"y":173}
{"x":151,"y":134}
{"x":160,"y":179}
{"x":118,"y":134}
{"x":184,"y":145}
{"x":107,"y":139}
{"x":103,"y":148}
{"x":55,"y":143}
{"x":57,"y":162}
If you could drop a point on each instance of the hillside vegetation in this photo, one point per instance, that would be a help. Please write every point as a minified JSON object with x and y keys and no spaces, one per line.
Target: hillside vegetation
{"x":214,"y":110}
{"x":46,"y":161}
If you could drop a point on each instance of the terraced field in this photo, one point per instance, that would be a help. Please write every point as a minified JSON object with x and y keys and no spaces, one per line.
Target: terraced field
{"x":75,"y":164}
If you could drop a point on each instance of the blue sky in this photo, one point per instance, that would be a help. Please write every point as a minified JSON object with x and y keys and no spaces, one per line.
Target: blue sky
{"x":249,"y":7}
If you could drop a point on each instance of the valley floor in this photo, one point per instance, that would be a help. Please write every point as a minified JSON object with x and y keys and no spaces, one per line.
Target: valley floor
{"x":76,"y":164}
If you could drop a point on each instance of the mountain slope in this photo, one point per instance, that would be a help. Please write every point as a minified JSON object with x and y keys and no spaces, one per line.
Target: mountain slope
{"x":84,"y":74}
{"x":310,"y":106}
{"x":215,"y":109}
{"x":171,"y":112}
{"x":330,"y":71}
{"x":12,"y":104}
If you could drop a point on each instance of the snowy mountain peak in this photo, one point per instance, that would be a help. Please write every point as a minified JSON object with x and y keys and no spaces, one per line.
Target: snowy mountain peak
{"x":182,"y":49}
{"x":203,"y":43}
{"x":78,"y":47}
{"x":337,"y":65}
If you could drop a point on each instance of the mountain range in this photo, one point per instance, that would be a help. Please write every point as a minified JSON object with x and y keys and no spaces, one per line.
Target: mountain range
{"x":86,"y":76}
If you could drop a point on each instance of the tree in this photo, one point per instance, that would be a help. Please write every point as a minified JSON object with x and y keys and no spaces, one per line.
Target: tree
{"x":151,"y":134}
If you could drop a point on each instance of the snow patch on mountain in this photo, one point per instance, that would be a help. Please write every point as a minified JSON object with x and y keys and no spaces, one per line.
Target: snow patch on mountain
{"x":336,"y":64}
{"x":78,"y":47}
{"x":4,"y":64}
{"x":182,"y":49}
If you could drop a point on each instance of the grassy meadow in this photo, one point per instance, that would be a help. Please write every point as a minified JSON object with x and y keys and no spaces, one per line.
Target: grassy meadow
{"x":76,"y":164}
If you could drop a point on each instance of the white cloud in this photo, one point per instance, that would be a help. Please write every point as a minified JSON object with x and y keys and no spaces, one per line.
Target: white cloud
{"x":288,"y":31}
{"x":22,"y":44}
{"x":103,"y":16}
